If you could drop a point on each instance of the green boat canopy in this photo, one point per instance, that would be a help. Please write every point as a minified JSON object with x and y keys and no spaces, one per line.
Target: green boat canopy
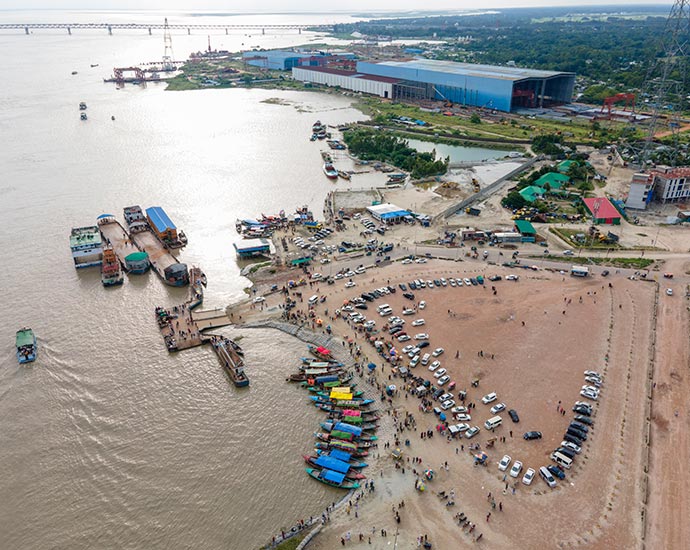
{"x":137,"y":256}
{"x":25,"y":338}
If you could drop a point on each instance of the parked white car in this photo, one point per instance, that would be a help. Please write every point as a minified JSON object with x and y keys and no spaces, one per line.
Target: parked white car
{"x":418,"y":322}
{"x":437,"y":352}
{"x":504,"y":463}
{"x":443,"y":380}
{"x":434,"y":365}
{"x":489,"y":398}
{"x":422,"y":304}
{"x":516,"y":469}
{"x":528,"y":477}
{"x":498,"y":408}
{"x":421,"y":336}
{"x":439,"y":373}
{"x":350,"y":284}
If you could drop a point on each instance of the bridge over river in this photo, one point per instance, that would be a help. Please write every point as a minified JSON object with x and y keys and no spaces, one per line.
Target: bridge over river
{"x":110,"y":27}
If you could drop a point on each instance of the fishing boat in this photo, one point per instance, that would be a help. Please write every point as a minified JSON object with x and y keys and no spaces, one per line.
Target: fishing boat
{"x":327,"y":393}
{"x":334,"y":479}
{"x":317,"y":127}
{"x":111,"y":270}
{"x":342,"y":455}
{"x":321,"y":352}
{"x":332,"y":408}
{"x":82,"y":106}
{"x":83,"y":116}
{"x":25,"y":342}
{"x":357,"y":431}
{"x":335,"y":465}
{"x":344,"y":175}
{"x":342,"y":446}
{"x":342,"y":403}
{"x":330,"y":170}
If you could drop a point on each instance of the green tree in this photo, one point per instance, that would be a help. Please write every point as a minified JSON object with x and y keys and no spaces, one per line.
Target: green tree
{"x":514,"y":200}
{"x":475,"y":119}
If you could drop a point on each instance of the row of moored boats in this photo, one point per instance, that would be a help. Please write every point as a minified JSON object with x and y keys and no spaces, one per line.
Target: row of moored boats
{"x":347,"y":434}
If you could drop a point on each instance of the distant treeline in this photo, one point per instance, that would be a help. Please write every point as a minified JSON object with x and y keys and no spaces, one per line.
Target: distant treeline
{"x":614,"y":53}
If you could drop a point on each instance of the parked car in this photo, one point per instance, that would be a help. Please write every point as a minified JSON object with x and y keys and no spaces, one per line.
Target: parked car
{"x":439,"y":373}
{"x":582,"y":419}
{"x":443,"y":380}
{"x":421,"y":336}
{"x":498,"y":408}
{"x":403,"y":338}
{"x":434,"y":365}
{"x":422,"y":345}
{"x":474,"y":430}
{"x":532,"y":435}
{"x":437,"y":352}
{"x":488,"y":398}
{"x":547,"y":477}
{"x":528,"y":477}
{"x":447,"y":404}
{"x":589,"y":395}
{"x":516,"y":469}
{"x":572,"y":446}
{"x":463,"y":417}
{"x":422,"y":304}
{"x":514,"y":415}
{"x":556,"y":471}
{"x":418,"y":322}
{"x":504,"y":463}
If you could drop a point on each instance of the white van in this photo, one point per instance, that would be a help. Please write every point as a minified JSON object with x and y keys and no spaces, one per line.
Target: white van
{"x":493,"y":422}
{"x":313,"y":300}
{"x":414,"y":362}
{"x":425,"y":359}
{"x":560,"y":458}
{"x":547,"y":477}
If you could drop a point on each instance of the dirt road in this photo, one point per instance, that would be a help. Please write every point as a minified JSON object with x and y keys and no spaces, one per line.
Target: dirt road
{"x":669,"y":478}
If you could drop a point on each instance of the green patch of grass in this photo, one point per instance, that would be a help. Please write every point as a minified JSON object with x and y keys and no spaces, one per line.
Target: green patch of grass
{"x":291,"y":543}
{"x":630,"y":263}
{"x":181,"y":83}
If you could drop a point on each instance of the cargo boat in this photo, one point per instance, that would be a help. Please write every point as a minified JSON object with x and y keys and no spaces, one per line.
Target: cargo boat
{"x":26,"y":345}
{"x":231,"y":360}
{"x":111,"y":270}
{"x":87,"y":246}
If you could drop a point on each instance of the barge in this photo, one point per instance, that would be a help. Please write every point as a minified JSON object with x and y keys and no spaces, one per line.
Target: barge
{"x":111,"y":270}
{"x":231,"y":360}
{"x":115,"y":235}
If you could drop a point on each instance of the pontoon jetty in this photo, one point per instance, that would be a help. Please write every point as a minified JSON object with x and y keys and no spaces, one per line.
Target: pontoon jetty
{"x":150,"y":234}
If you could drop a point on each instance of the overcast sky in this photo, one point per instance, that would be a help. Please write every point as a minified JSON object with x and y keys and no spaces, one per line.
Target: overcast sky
{"x":304,"y":5}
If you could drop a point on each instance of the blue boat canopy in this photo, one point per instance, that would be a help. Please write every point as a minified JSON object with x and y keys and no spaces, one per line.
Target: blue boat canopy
{"x":105,"y":216}
{"x":333,"y":464}
{"x":349,"y":428}
{"x":333,"y":477}
{"x":340,"y":455}
{"x":159,"y":219}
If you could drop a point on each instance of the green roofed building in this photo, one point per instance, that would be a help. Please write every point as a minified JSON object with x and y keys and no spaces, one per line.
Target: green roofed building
{"x":531,"y":193}
{"x":554,"y":179}
{"x":565,"y":165}
{"x":525,"y":228}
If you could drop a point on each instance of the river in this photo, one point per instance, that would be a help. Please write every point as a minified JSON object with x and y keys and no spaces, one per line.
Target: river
{"x":107,"y":440}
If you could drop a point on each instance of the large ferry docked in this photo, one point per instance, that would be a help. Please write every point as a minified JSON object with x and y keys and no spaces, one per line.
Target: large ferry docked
{"x":87,"y":246}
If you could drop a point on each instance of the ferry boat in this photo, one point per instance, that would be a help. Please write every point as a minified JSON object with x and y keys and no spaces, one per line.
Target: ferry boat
{"x":111,"y":270}
{"x":232,"y":362}
{"x":26,"y":345}
{"x":330,"y":170}
{"x":344,"y":175}
{"x":87,"y":246}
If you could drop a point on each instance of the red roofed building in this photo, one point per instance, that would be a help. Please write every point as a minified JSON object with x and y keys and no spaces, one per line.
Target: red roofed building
{"x":602,"y":211}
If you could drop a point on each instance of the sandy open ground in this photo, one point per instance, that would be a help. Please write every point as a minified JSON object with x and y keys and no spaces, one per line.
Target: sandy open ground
{"x":570,"y":325}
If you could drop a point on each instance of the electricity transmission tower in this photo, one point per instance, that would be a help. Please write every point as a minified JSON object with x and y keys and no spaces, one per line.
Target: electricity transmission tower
{"x":664,"y":84}
{"x":168,"y":57}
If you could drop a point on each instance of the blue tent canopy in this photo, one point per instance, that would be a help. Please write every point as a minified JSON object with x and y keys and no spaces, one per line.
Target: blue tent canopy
{"x":348,"y":428}
{"x":333,"y":464}
{"x":371,"y":366}
{"x":333,"y":477}
{"x":340,"y":455}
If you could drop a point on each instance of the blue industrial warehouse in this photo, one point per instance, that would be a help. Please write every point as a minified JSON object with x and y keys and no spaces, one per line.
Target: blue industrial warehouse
{"x":284,"y":60}
{"x":494,"y":87}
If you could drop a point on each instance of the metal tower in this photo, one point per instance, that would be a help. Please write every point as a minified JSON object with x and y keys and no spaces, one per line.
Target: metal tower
{"x":665,"y":78}
{"x":168,"y":57}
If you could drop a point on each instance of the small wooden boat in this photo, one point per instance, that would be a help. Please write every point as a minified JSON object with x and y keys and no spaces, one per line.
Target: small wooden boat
{"x":341,"y":446}
{"x":342,"y":455}
{"x":334,"y":479}
{"x":344,"y":175}
{"x":350,"y":473}
{"x":25,"y":342}
{"x":330,"y":170}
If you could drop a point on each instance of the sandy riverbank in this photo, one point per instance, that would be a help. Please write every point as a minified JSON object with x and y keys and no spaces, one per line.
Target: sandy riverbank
{"x":535,"y":366}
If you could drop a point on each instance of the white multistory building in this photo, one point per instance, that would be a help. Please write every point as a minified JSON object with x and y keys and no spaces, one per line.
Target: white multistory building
{"x":663,"y":184}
